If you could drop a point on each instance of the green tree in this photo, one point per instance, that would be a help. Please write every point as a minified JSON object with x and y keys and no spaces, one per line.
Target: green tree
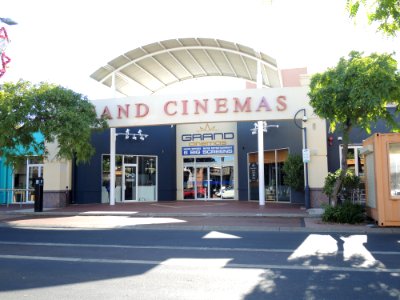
{"x":293,"y":170}
{"x":385,"y":12}
{"x":59,"y":114}
{"x":356,"y":93}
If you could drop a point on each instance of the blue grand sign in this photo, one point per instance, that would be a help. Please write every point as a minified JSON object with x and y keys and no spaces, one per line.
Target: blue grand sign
{"x":208,"y":150}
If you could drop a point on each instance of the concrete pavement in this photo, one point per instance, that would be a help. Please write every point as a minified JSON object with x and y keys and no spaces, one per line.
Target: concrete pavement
{"x":184,"y":215}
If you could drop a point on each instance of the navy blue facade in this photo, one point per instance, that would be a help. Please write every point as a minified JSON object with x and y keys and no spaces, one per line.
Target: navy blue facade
{"x":161,"y":142}
{"x":286,"y":136}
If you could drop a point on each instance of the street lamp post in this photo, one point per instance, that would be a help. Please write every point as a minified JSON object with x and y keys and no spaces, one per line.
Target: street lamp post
{"x":305,"y":154}
{"x":259,"y":128}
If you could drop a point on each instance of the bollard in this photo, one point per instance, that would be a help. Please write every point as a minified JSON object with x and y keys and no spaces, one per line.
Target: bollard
{"x":39,"y":194}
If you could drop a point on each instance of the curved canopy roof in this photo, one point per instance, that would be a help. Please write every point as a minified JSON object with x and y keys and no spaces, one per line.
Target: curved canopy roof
{"x":164,"y":63}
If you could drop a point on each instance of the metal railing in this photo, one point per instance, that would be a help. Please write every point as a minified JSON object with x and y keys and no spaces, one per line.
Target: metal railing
{"x":16,"y":196}
{"x":356,"y":196}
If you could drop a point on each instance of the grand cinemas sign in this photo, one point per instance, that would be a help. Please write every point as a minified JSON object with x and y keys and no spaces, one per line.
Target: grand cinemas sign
{"x":207,"y":139}
{"x":243,"y":105}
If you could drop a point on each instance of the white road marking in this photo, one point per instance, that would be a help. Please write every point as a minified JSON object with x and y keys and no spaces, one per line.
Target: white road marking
{"x":198,"y":263}
{"x":171,"y":247}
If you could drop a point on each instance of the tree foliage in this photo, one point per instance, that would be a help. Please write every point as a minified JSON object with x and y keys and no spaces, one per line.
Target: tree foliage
{"x":385,"y":12}
{"x":293,"y":170}
{"x":356,"y":93}
{"x":59,"y":114}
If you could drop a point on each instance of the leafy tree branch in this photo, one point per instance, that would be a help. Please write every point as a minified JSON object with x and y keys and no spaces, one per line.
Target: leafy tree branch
{"x":59,"y":114}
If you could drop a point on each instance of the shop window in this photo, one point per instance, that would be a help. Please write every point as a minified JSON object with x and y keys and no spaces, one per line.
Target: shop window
{"x":275,"y":189}
{"x":394,"y":162}
{"x":208,"y":178}
{"x":24,"y":179}
{"x":130,"y":159}
{"x":105,"y":178}
{"x":355,"y":161}
{"x":139,"y":183}
{"x":147,"y":173}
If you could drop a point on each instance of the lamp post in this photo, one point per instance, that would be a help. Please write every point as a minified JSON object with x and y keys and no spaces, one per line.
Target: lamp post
{"x":259,"y":128}
{"x":305,"y":154}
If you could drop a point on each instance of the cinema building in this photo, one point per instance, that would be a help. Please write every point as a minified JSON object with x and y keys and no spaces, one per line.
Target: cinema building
{"x":197,"y":146}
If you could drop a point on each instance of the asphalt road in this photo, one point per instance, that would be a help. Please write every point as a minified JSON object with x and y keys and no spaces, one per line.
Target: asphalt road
{"x":172,"y":264}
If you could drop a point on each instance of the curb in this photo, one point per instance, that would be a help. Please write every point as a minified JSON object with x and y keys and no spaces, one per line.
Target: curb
{"x":361,"y":230}
{"x":153,"y":214}
{"x":311,"y":224}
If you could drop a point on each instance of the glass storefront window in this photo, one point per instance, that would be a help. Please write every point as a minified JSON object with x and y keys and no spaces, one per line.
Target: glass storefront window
{"x":275,"y":189}
{"x":208,"y":178}
{"x":189,"y":181}
{"x":147,"y":171}
{"x":205,"y":159}
{"x":394,"y":167}
{"x":355,"y":160}
{"x":106,"y":178}
{"x":228,"y":159}
{"x":24,"y":178}
{"x":130,"y":159}
{"x":135,"y":178}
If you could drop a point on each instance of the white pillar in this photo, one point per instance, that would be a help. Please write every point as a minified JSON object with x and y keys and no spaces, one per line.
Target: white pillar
{"x":261,"y":182}
{"x":112,"y":153}
{"x":112,"y":166}
{"x":260,"y":140}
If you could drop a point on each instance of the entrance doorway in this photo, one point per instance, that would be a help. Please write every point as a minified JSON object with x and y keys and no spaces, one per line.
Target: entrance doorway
{"x":275,"y":189}
{"x":34,"y":171}
{"x":208,"y":178}
{"x":129,"y":182}
{"x":135,"y":178}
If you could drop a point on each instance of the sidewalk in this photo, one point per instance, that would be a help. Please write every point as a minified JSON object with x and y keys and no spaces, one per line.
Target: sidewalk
{"x":199,"y":215}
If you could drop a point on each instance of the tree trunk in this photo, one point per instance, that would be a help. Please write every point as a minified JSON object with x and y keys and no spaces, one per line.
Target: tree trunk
{"x":345,"y":147}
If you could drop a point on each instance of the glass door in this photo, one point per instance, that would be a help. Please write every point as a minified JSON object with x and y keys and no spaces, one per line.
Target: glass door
{"x":130,"y":183}
{"x":227,"y":188}
{"x":215,"y":182}
{"x":270,"y":181}
{"x":34,"y":172}
{"x":202,"y":183}
{"x":188,"y":183}
{"x":275,"y":188}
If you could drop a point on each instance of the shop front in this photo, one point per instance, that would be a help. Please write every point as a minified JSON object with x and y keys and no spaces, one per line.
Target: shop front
{"x":135,"y":181}
{"x":145,"y":169}
{"x":275,"y":188}
{"x":207,"y":161}
{"x":17,"y":184}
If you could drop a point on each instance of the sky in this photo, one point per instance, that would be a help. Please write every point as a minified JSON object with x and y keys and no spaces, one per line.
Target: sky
{"x":65,"y":41}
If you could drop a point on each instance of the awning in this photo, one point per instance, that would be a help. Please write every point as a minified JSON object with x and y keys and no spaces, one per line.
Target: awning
{"x":158,"y":65}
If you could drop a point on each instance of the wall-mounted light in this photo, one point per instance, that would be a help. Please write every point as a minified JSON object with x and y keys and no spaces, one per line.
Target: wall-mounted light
{"x":134,"y":136}
{"x":254,"y":130}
